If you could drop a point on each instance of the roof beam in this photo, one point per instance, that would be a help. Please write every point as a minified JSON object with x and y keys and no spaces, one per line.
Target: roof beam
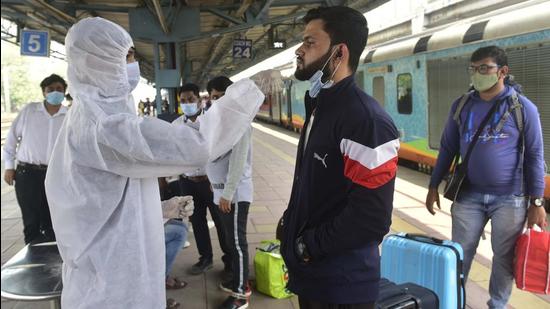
{"x":242,"y":27}
{"x":56,"y":11}
{"x":221,"y":41}
{"x":76,"y":6}
{"x":224,"y":16}
{"x":160,"y":15}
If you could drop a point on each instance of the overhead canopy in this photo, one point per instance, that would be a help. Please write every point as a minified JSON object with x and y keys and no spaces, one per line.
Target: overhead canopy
{"x":203,"y":31}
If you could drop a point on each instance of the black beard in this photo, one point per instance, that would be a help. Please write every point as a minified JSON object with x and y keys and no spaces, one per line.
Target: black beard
{"x":307,"y":72}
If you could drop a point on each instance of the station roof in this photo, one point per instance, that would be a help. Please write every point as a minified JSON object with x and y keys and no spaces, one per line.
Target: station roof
{"x":207,"y":54}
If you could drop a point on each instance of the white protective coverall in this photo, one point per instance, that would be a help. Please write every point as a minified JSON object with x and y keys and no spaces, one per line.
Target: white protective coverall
{"x":101,"y":182}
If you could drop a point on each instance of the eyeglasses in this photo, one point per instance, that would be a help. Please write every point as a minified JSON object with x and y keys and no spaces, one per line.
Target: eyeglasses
{"x":482,"y":69}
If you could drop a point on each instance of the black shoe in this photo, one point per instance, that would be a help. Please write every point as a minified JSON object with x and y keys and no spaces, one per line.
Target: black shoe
{"x":234,"y":303}
{"x":201,"y":267}
{"x":227,"y":286}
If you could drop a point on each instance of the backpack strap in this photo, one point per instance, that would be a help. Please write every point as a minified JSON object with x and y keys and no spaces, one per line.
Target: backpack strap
{"x":516,"y":109}
{"x":518,"y":112}
{"x":460,"y":107}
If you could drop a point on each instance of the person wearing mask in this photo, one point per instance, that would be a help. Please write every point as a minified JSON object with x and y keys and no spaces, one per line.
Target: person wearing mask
{"x":196,"y":184}
{"x":231,"y":179}
{"x":505,"y":174}
{"x":30,"y":141}
{"x":102,"y":184}
{"x":342,"y":196}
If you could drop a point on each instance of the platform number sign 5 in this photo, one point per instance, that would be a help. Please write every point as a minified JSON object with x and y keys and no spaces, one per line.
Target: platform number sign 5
{"x":35,"y":43}
{"x":242,"y":48}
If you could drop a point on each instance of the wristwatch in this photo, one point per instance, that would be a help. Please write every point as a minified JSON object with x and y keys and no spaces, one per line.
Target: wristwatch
{"x":537,"y":201}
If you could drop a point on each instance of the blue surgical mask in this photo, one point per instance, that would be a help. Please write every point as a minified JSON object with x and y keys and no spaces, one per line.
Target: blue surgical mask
{"x":55,"y":97}
{"x":316,"y":82}
{"x":189,"y":109}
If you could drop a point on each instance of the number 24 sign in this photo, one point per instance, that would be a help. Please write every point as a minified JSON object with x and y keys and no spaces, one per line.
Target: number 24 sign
{"x":242,"y":48}
{"x":35,"y":43}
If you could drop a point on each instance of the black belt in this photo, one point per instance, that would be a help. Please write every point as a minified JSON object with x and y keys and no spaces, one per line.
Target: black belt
{"x":39,"y":167}
{"x":196,"y":178}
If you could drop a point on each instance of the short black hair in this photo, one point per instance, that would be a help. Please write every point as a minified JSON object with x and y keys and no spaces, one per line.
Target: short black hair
{"x":343,"y":25}
{"x":494,"y":52}
{"x":190,"y":87}
{"x":219,"y":83}
{"x":54,"y":78}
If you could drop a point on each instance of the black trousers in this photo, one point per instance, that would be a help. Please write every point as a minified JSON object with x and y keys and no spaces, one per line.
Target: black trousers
{"x":203,"y":199}
{"x":31,"y":197}
{"x":235,"y":229}
{"x":308,"y":304}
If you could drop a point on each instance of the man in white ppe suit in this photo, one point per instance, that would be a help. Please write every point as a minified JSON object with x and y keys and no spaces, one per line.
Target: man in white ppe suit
{"x":102,"y":179}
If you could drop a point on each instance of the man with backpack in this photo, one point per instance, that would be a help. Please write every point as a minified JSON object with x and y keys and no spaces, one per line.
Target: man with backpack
{"x":496,"y":131}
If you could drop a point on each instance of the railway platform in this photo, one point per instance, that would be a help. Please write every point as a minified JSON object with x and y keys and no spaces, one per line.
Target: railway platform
{"x":274,"y":151}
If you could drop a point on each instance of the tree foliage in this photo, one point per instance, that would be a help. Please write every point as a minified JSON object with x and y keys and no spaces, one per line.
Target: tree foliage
{"x":16,"y":69}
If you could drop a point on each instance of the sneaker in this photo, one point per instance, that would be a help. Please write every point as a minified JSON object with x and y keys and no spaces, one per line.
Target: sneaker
{"x":227,"y":286}
{"x":186,"y":244}
{"x":234,"y":303}
{"x":200,"y":267}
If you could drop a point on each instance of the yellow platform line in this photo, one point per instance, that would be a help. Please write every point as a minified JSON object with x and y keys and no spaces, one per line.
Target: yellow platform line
{"x":480,"y":274}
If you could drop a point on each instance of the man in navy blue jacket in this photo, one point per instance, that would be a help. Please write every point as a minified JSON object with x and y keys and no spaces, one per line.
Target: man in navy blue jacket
{"x":341,"y":201}
{"x":505,"y":180}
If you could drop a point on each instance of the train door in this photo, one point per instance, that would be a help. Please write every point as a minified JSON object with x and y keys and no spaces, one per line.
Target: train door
{"x":276,"y":107}
{"x":298,"y":92}
{"x":447,"y":80}
{"x":379,"y":90}
{"x":286,"y":112}
{"x":360,"y":79}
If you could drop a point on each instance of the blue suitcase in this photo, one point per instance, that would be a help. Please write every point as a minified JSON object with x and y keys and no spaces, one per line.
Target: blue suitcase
{"x":430,"y":262}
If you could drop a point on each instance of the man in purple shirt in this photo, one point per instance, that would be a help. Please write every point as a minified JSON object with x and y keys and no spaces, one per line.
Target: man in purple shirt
{"x":496,"y":188}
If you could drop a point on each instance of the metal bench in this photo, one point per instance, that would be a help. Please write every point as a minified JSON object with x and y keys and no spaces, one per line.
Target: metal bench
{"x":34,"y":274}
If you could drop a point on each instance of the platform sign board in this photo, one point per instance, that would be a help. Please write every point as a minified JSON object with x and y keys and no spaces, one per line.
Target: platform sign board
{"x":242,"y":48}
{"x":35,"y":43}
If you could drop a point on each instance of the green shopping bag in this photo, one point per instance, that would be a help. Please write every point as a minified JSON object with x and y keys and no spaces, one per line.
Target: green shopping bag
{"x":271,"y":271}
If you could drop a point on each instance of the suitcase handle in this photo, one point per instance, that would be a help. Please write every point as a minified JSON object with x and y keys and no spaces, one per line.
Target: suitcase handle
{"x":424,"y":238}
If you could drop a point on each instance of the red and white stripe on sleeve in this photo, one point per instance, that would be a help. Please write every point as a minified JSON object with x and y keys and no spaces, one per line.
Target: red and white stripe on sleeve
{"x":370,"y":167}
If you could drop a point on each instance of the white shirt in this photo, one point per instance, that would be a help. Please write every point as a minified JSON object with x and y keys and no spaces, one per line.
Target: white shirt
{"x":201,"y":171}
{"x":32,"y":135}
{"x":308,"y":129}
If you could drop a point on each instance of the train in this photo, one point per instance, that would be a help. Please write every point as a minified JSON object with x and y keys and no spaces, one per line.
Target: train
{"x":416,"y":78}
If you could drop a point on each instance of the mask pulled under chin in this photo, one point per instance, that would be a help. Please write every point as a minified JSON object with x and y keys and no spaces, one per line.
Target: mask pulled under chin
{"x":133,"y":74}
{"x":316,"y":82}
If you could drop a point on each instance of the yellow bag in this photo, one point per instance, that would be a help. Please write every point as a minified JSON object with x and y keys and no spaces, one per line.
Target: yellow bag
{"x":271,"y":271}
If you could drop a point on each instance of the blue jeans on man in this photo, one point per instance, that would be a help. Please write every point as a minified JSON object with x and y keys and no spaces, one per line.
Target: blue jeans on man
{"x":470,"y":213}
{"x":175,"y":235}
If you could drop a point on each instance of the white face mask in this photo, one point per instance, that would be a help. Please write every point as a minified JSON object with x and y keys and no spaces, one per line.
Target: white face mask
{"x":133,"y":74}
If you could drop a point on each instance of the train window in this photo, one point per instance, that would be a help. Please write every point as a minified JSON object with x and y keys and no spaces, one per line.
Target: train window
{"x":378,"y":89}
{"x":404,"y":93}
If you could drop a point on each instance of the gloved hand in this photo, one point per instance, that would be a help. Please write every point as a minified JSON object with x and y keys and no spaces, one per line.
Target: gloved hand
{"x":174,"y":207}
{"x":187,"y":210}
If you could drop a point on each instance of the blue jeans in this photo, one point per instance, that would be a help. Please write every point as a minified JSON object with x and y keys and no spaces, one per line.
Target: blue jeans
{"x":175,"y":235}
{"x":470,"y":213}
